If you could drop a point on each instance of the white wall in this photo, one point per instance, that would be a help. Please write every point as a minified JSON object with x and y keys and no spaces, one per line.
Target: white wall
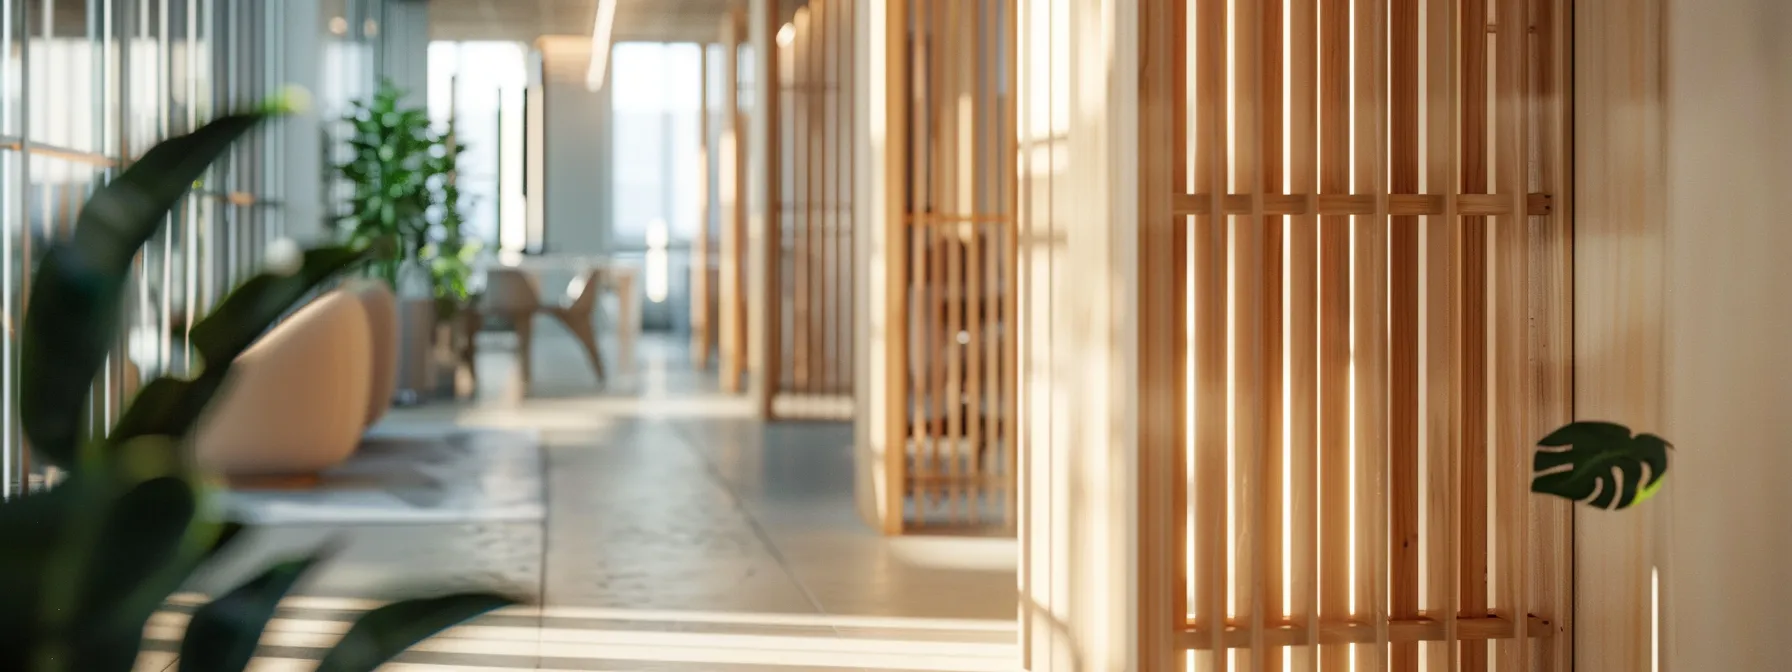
{"x":1683,"y":185}
{"x":1078,"y":100}
{"x":1728,"y":382}
{"x":575,"y":174}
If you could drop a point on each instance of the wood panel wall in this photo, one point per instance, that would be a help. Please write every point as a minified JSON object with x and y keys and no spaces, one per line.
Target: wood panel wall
{"x":1355,"y":267}
{"x":952,"y":268}
{"x":811,"y":311}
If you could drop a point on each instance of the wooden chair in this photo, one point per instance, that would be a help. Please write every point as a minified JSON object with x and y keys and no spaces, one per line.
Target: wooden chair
{"x":576,"y":312}
{"x":515,"y":296}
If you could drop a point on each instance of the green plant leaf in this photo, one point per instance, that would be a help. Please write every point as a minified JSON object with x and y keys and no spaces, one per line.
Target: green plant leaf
{"x":385,"y":632}
{"x":79,"y":285}
{"x":256,"y":304}
{"x":1599,"y":463}
{"x":106,"y":573}
{"x":170,"y":406}
{"x":222,"y":635}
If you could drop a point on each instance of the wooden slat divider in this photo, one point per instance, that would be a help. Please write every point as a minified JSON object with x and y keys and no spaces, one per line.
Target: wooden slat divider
{"x":1303,"y":333}
{"x":1334,"y":327}
{"x":1442,"y":253}
{"x":1210,"y":260}
{"x":1394,"y":363}
{"x":958,"y":202}
{"x":1512,"y":329}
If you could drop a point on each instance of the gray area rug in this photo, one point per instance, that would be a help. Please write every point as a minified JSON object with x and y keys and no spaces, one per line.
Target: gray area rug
{"x":413,"y":476}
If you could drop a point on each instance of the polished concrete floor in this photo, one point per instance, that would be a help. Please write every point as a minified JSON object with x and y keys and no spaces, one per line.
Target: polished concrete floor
{"x":680,"y":534}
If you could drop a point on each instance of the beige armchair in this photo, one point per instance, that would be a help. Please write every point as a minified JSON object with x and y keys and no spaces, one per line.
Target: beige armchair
{"x":298,"y":398}
{"x":382,"y":321}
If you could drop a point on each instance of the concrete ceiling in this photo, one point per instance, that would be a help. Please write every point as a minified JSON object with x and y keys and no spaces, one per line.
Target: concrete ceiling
{"x":526,"y":20}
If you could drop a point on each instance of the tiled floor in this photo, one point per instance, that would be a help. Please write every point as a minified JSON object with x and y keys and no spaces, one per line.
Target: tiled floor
{"x":680,"y":534}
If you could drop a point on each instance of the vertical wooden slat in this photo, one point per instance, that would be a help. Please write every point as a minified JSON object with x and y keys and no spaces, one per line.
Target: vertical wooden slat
{"x":1370,"y":328}
{"x":1552,"y":306}
{"x":1010,"y":436}
{"x":821,"y":215}
{"x":733,"y":315}
{"x":1442,"y":252}
{"x":802,"y":235}
{"x":898,"y":168}
{"x":1250,"y":389}
{"x":982,"y":89}
{"x":1163,"y":351}
{"x":1303,"y":330}
{"x":840,"y":280}
{"x":1210,"y":258}
{"x":1403,"y":309}
{"x":939,"y":167}
{"x":957,"y":138}
{"x":1334,"y":327}
{"x":1269,"y":25}
{"x":769,"y":108}
{"x":1512,"y":327}
{"x":1473,"y":461}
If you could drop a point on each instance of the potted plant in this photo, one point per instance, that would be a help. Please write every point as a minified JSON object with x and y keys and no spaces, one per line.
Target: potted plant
{"x":402,"y":177}
{"x":90,"y":560}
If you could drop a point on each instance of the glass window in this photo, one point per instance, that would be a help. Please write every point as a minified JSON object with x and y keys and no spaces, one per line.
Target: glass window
{"x":656,"y":99}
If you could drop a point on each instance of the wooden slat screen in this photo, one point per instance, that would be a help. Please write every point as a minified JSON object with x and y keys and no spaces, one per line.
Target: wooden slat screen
{"x":953,"y":274}
{"x":812,"y":288}
{"x":1355,"y":265}
{"x":731,"y":174}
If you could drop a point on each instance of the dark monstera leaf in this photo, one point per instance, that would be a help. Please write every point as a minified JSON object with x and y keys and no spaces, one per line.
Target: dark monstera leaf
{"x":1601,"y":464}
{"x":79,"y":284}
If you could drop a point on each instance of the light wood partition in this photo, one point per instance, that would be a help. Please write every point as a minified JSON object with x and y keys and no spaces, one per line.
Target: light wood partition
{"x":1355,"y":317}
{"x":731,"y":174}
{"x":810,"y":320}
{"x":950,"y":448}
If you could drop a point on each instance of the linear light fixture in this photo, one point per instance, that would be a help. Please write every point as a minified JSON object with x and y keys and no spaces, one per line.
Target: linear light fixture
{"x":601,"y":34}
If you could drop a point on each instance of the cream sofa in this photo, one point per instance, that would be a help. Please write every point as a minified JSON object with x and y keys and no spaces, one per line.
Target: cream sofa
{"x":301,"y":396}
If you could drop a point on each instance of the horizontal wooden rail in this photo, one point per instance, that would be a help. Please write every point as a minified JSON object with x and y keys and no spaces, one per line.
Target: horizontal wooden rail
{"x":944,"y":218}
{"x":1362,"y":204}
{"x":1352,"y":632}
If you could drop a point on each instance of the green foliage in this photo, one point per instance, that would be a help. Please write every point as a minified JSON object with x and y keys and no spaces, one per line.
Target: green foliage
{"x":87,"y":563}
{"x":403,"y":171}
{"x":1600,"y":464}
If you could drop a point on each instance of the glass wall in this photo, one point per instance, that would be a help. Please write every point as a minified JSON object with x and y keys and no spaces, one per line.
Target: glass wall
{"x":87,"y":85}
{"x":480,"y":87}
{"x":656,"y":96}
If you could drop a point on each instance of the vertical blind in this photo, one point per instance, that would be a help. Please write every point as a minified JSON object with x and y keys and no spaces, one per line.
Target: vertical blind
{"x":952,"y":274}
{"x":1355,"y":323}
